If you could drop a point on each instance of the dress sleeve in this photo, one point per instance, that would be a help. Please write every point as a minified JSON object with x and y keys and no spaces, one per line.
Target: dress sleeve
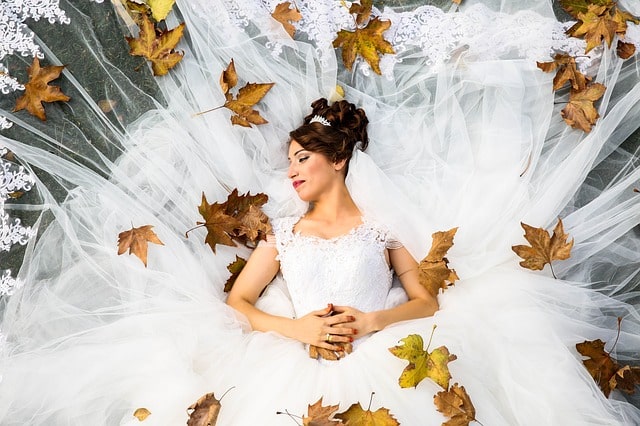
{"x":392,"y":243}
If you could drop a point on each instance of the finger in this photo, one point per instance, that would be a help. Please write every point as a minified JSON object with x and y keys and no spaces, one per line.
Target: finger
{"x":338,"y":338}
{"x":323,"y":312}
{"x":340,"y":319}
{"x":342,"y":331}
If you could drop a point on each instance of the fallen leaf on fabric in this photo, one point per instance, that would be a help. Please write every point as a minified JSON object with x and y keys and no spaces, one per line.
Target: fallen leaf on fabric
{"x":141,"y":414}
{"x":367,"y":41}
{"x":220,"y":226}
{"x":422,"y":363}
{"x":136,"y":240}
{"x":319,"y":415}
{"x":625,"y":50}
{"x":357,"y":416}
{"x":160,"y":8}
{"x":316,"y":352}
{"x":204,"y":412}
{"x":544,"y":247}
{"x":621,"y":17}
{"x":228,"y":78}
{"x":37,"y":90}
{"x":626,"y":379}
{"x":455,"y":404}
{"x":158,"y":49}
{"x":362,"y":11}
{"x":580,"y":113}
{"x":434,"y":272}
{"x":566,"y":72}
{"x":575,"y":7}
{"x":595,"y":25}
{"x":286,"y":15}
{"x":599,"y":363}
{"x":235,"y":268}
{"x":249,"y":95}
{"x":107,"y":105}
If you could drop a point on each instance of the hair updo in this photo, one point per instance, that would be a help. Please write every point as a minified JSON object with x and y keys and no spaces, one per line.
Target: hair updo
{"x":336,"y":142}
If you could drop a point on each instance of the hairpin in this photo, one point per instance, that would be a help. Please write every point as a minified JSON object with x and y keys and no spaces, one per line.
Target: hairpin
{"x":320,"y":119}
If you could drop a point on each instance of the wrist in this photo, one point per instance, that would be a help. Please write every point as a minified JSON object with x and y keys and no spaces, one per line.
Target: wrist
{"x":375,"y":320}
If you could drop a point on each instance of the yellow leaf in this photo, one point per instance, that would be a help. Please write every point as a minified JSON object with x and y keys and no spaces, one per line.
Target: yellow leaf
{"x":422,"y":364}
{"x":248,"y":96}
{"x":285,"y":15}
{"x":544,"y":247}
{"x":357,"y":416}
{"x":595,"y":25}
{"x":141,"y":414}
{"x":580,"y":113}
{"x":434,"y":272}
{"x":362,"y":11}
{"x":157,"y":49}
{"x":38,"y":90}
{"x":367,"y":42}
{"x":136,"y":240}
{"x":574,"y":7}
{"x":455,"y":404}
{"x":229,"y":78}
{"x":160,"y":8}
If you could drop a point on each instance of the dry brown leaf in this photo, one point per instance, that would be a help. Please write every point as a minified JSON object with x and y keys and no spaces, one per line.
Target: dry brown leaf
{"x":434,"y":272}
{"x":235,"y":268}
{"x":596,"y":25}
{"x":220,"y":226}
{"x":367,"y":42}
{"x":136,"y":240}
{"x":362,"y":11}
{"x":457,"y":1}
{"x":626,"y":379}
{"x":625,"y":50}
{"x":544,"y":247}
{"x":357,"y":416}
{"x":316,"y":352}
{"x":620,"y":17}
{"x":455,"y":404}
{"x":228,"y":78}
{"x":580,"y":113}
{"x":599,"y":363}
{"x":319,"y":415}
{"x":249,"y":95}
{"x":38,"y":90}
{"x":204,"y":412}
{"x":574,"y":7}
{"x":285,"y":15}
{"x":422,"y":363}
{"x":157,"y":48}
{"x":566,"y":72}
{"x":141,"y":414}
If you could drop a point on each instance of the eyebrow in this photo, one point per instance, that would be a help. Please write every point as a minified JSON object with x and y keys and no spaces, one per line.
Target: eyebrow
{"x":296,"y":153}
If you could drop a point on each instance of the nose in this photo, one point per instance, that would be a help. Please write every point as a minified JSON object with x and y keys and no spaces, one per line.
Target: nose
{"x":292,"y":172}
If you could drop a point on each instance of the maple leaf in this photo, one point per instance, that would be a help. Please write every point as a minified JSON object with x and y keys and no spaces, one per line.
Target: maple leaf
{"x":357,"y":416}
{"x":249,"y":95}
{"x":434,"y":272}
{"x":599,"y":363}
{"x":422,"y":363}
{"x":285,"y":15}
{"x":235,"y":268}
{"x":620,"y":17}
{"x":38,"y":90}
{"x":159,"y":49}
{"x":319,"y":415}
{"x":362,"y":11}
{"x":204,"y":412}
{"x":566,"y":72}
{"x":220,"y":226}
{"x":315,"y":351}
{"x":626,"y":379}
{"x":580,"y":113}
{"x":141,"y":414}
{"x":595,"y":25}
{"x":455,"y":404}
{"x":136,"y":241}
{"x":625,"y":50}
{"x":574,"y":7}
{"x":228,"y":78}
{"x":254,"y":224}
{"x":160,"y":8}
{"x":367,"y":42}
{"x":544,"y":247}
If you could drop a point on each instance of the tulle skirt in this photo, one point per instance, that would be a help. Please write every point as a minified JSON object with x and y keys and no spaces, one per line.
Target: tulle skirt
{"x":475,"y":142}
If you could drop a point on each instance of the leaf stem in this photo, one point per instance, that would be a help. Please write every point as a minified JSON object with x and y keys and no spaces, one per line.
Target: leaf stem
{"x":370,"y":401}
{"x":292,"y":416}
{"x":209,"y":110}
{"x":433,"y":329}
{"x":552,"y":272}
{"x":186,"y":234}
{"x":618,"y":336}
{"x":225,"y":392}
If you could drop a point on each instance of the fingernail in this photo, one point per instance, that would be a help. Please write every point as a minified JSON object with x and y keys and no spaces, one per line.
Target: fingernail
{"x":330,"y":306}
{"x":355,"y":331}
{"x":350,"y":339}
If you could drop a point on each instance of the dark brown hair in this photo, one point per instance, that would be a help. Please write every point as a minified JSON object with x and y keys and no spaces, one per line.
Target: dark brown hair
{"x":337,"y":141}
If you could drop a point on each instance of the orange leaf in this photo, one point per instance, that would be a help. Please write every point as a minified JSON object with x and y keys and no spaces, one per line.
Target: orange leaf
{"x":285,"y":15}
{"x":566,"y":72}
{"x":37,"y":90}
{"x":229,"y":78}
{"x":367,"y":42}
{"x":362,"y":11}
{"x":544,"y":247}
{"x":141,"y":414}
{"x":599,"y":363}
{"x":357,"y":416}
{"x":204,"y":412}
{"x":574,"y":7}
{"x":620,"y":17}
{"x":319,"y":415}
{"x":455,"y":404}
{"x":136,"y":241}
{"x":434,"y":273}
{"x":625,"y":50}
{"x":159,"y":49}
{"x":220,"y":226}
{"x":626,"y":379}
{"x":249,"y":95}
{"x":580,"y":113}
{"x":595,"y":25}
{"x":235,"y":268}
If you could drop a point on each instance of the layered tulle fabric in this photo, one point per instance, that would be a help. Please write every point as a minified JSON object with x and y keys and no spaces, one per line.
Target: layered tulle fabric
{"x":473,"y":139}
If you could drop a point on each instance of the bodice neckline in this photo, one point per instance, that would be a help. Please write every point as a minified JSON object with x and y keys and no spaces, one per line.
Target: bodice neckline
{"x":354,"y":230}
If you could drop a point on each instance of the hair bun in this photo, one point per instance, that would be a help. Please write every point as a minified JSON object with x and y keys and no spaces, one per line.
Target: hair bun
{"x":345,"y":117}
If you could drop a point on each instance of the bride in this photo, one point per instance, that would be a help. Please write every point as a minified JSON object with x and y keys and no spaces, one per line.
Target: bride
{"x":464,"y":132}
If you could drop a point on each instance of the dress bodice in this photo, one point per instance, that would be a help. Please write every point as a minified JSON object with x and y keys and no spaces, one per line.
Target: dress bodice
{"x":349,"y":270}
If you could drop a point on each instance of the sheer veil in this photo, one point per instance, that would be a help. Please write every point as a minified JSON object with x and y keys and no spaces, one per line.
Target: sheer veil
{"x":465,"y":132}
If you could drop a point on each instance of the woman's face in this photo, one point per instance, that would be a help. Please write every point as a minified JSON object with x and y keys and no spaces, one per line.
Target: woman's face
{"x":311,"y":173}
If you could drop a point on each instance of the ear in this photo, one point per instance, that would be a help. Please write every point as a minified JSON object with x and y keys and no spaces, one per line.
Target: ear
{"x":339,"y":165}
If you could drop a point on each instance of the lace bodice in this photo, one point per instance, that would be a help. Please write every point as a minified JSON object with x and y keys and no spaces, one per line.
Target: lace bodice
{"x":351,"y":269}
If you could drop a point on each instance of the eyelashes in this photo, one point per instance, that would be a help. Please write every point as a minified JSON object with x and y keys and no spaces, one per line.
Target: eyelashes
{"x":303,"y":159}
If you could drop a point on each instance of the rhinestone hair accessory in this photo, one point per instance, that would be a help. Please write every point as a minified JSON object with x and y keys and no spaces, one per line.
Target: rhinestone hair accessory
{"x":320,"y":119}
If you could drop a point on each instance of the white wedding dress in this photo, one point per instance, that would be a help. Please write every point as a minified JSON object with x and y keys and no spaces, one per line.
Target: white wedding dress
{"x":465,"y":132}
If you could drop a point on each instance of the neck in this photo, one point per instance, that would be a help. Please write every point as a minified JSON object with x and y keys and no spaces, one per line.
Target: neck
{"x":334,"y":206}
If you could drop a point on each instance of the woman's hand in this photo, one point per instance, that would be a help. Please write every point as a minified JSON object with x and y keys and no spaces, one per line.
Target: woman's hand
{"x":325,"y":327}
{"x":362,"y":323}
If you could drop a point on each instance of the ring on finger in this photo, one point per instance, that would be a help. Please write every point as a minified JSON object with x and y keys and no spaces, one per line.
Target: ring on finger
{"x":328,"y":338}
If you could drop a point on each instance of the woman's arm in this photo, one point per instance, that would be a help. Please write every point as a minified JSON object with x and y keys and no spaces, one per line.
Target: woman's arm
{"x":260,"y":269}
{"x":421,"y":302}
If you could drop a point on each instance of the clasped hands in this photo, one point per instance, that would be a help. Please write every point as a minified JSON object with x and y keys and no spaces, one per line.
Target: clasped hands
{"x":330,"y":331}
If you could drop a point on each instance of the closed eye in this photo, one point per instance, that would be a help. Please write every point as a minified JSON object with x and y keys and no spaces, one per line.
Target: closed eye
{"x":303,"y":159}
